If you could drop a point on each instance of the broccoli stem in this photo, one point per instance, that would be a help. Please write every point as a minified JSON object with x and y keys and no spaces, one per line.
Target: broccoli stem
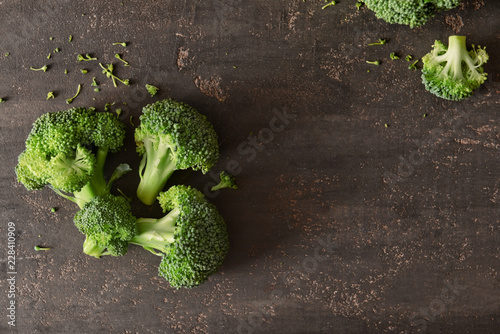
{"x":156,"y":234}
{"x":155,"y":169}
{"x":90,"y":248}
{"x":454,"y":56}
{"x":97,"y":185}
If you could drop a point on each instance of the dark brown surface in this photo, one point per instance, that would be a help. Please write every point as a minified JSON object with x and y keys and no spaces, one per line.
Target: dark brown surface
{"x":340,"y":225}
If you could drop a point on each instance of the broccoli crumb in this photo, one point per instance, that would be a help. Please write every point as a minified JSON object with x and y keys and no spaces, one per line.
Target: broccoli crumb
{"x":2,"y":100}
{"x":331,"y":3}
{"x":380,"y":42}
{"x":108,"y":71}
{"x":376,"y":62}
{"x":68,"y":101}
{"x":152,"y":89}
{"x":413,"y":66}
{"x":43,"y":68}
{"x":409,"y":57}
{"x":394,"y":56}
{"x":119,"y":57}
{"x":50,"y":95}
{"x":53,"y":209}
{"x":40,"y":248}
{"x":124,"y":44}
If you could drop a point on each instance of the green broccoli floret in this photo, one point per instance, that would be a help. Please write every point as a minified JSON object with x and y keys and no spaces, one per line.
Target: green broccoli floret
{"x":410,"y":12}
{"x":191,"y":238}
{"x":227,"y":180}
{"x":172,"y":136}
{"x":108,"y":225}
{"x":67,"y":150}
{"x":452,"y":72}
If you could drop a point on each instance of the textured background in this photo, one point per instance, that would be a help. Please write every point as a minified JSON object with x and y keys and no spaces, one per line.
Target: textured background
{"x":340,"y":225}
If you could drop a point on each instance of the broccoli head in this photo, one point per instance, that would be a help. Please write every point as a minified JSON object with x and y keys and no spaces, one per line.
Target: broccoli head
{"x":108,"y":225}
{"x":191,"y":238}
{"x":410,"y":12}
{"x":172,"y":136}
{"x":66,"y":150}
{"x":452,"y":72}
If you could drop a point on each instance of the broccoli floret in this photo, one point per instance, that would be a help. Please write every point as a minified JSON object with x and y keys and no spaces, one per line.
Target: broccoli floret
{"x":191,"y":238}
{"x":108,"y":225}
{"x":172,"y":136}
{"x":410,"y":12}
{"x":67,"y":150}
{"x":452,"y":72}
{"x":227,"y":180}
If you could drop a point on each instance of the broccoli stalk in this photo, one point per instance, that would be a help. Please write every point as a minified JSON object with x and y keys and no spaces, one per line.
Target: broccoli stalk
{"x":155,"y":169}
{"x":452,"y":72}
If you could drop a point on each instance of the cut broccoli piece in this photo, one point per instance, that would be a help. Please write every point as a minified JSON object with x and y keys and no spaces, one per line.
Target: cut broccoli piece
{"x":172,"y":136}
{"x":227,"y":180}
{"x":410,"y":12}
{"x":452,"y":72}
{"x":192,"y":238}
{"x":67,"y":150}
{"x":108,"y":225}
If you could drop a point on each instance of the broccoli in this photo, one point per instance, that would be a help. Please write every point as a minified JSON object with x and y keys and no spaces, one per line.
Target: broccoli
{"x":452,"y":72}
{"x":191,"y":238}
{"x":172,"y":136}
{"x":152,"y":89}
{"x":227,"y":180}
{"x":108,"y":225}
{"x":410,"y":12}
{"x":59,"y":153}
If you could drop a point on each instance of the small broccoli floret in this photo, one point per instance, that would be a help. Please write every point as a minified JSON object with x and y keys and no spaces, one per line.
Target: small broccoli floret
{"x":67,"y":150}
{"x":452,"y":72}
{"x":227,"y":180}
{"x":172,"y":136}
{"x":410,"y":12}
{"x":152,"y":90}
{"x":192,"y":238}
{"x":108,"y":225}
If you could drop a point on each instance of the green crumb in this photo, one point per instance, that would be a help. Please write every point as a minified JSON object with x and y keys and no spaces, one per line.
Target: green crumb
{"x":394,"y":56}
{"x":7,"y":54}
{"x":50,"y":95}
{"x":65,"y":71}
{"x":124,"y":44}
{"x":119,"y":57}
{"x":96,"y":90}
{"x":409,"y":57}
{"x":331,"y":3}
{"x":380,"y":42}
{"x":54,"y":209}
{"x":70,"y":38}
{"x":376,"y":62}
{"x":358,"y":5}
{"x":70,"y":100}
{"x":386,"y":125}
{"x":152,"y":89}
{"x":84,"y":71}
{"x":43,"y":68}
{"x":40,"y":248}
{"x":2,"y":100}
{"x":413,"y":66}
{"x":50,"y":55}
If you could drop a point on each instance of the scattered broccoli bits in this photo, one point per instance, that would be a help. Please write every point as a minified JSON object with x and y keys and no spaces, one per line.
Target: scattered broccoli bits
{"x":452,"y":72}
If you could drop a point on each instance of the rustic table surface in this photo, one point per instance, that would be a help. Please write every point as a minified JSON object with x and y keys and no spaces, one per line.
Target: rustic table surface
{"x":365,"y":204}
